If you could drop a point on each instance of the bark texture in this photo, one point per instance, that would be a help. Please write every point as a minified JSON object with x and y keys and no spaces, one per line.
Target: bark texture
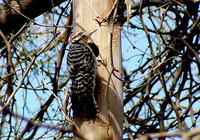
{"x":10,"y":18}
{"x":109,"y":88}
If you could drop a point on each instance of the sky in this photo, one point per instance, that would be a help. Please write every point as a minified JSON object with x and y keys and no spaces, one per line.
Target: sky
{"x":131,"y":60}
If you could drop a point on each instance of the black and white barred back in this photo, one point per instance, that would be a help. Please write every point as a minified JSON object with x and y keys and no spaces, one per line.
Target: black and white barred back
{"x":82,"y":66}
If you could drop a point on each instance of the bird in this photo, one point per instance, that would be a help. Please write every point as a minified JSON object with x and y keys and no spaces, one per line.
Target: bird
{"x":82,"y":67}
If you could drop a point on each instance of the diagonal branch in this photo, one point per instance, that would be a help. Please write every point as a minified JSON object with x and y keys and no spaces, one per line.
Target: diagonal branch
{"x":29,"y":8}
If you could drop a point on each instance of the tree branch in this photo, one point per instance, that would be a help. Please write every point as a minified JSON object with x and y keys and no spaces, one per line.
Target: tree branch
{"x":11,"y":21}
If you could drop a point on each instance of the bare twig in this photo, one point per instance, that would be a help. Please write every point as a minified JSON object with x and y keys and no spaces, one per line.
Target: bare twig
{"x":31,"y":20}
{"x":134,"y":47}
{"x":27,"y":71}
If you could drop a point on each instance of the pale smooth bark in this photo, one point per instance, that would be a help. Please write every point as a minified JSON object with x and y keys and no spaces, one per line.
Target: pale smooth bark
{"x":109,"y":97}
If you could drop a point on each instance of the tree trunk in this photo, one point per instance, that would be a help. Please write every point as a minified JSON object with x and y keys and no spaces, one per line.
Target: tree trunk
{"x":109,"y":98}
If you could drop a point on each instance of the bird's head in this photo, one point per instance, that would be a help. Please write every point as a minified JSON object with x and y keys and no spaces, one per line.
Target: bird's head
{"x":81,"y":37}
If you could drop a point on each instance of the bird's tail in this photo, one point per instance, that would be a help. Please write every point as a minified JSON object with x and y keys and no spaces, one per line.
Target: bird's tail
{"x":84,"y":106}
{"x":83,"y":101}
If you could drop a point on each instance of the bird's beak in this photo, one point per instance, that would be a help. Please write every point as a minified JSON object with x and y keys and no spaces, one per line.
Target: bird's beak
{"x":88,"y":34}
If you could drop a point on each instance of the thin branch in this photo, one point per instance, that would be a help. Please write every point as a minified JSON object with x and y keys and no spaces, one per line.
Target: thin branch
{"x":25,"y":74}
{"x":192,"y":50}
{"x":134,"y":47}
